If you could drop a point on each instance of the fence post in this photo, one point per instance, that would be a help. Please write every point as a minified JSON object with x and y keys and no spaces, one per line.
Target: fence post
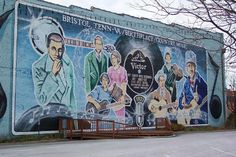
{"x":97,"y":126}
{"x":81,"y":129}
{"x":156,"y":123}
{"x":60,"y":125}
{"x":70,"y":127}
{"x":139,"y":130}
{"x":168,"y":124}
{"x":63,"y":126}
{"x":113,"y":129}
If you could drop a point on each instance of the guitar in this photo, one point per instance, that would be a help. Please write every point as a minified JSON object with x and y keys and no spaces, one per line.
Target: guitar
{"x":116,"y":94}
{"x":160,"y":108}
{"x":104,"y":106}
{"x":191,"y":112}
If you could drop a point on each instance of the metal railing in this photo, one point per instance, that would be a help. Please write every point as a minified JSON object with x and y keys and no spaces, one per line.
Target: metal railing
{"x":103,"y":128}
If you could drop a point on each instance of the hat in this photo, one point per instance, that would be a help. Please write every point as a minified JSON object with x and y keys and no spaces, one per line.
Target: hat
{"x":159,"y":74}
{"x":167,"y":51}
{"x":190,"y":56}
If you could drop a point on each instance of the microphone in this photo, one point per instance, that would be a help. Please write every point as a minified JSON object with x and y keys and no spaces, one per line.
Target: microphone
{"x":139,"y":110}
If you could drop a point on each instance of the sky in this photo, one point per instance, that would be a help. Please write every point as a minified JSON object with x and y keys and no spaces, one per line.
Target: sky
{"x":125,"y":6}
{"x":117,"y":6}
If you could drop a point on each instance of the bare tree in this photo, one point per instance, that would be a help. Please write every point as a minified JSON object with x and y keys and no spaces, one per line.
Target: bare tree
{"x":212,"y":15}
{"x":231,"y":81}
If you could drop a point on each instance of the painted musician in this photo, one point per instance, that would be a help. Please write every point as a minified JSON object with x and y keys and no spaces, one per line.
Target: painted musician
{"x":194,"y":93}
{"x":117,"y":73}
{"x":159,"y":97}
{"x":173,"y":74}
{"x":118,"y":76}
{"x":100,"y":92}
{"x":95,"y":63}
{"x":53,"y":75}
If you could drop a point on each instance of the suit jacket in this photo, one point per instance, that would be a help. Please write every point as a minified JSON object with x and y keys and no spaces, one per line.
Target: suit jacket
{"x":54,"y":89}
{"x":199,"y":86}
{"x":91,"y":69}
{"x":171,"y":79}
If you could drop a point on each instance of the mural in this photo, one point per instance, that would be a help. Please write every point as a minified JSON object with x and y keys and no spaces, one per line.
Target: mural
{"x":67,"y":66}
{"x":3,"y":101}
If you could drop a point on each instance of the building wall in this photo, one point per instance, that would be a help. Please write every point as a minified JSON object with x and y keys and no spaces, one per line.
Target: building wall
{"x":22,"y":73}
{"x":6,"y":64}
{"x":210,"y":41}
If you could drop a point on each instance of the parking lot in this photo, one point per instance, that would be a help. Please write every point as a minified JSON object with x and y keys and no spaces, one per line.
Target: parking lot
{"x":201,"y":144}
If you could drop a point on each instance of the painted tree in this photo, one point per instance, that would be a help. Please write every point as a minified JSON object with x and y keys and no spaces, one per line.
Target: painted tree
{"x":212,"y":15}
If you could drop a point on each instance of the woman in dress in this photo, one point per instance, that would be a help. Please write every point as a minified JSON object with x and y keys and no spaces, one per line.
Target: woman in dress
{"x":118,"y":77}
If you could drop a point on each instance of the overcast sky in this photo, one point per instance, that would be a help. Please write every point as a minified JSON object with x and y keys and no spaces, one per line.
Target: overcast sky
{"x":117,"y":6}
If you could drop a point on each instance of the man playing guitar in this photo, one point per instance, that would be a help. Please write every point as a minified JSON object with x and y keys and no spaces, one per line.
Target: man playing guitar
{"x":160,"y":99}
{"x":100,"y":97}
{"x":194,"y":94}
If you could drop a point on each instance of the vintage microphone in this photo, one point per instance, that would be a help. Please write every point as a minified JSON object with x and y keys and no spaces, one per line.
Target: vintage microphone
{"x":139,"y":110}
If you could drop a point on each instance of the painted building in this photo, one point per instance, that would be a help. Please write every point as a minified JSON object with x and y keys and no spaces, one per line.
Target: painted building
{"x":58,"y":61}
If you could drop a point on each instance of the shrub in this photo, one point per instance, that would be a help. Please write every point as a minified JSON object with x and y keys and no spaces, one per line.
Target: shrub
{"x":177,"y":127}
{"x":231,"y":121}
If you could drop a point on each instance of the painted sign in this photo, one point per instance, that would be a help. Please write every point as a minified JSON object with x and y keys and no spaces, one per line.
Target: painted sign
{"x":68,"y":66}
